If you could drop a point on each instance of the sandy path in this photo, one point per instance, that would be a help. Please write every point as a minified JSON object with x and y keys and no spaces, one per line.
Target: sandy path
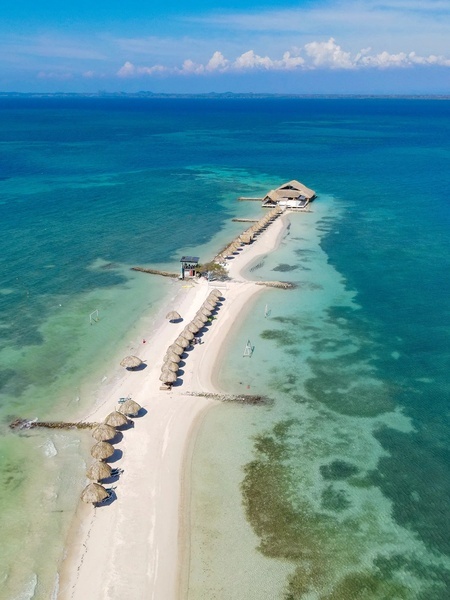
{"x":130,"y":548}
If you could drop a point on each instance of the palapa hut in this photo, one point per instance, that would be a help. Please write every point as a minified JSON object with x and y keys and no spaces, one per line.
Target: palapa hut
{"x":213,"y":299}
{"x":170,"y":366}
{"x":292,"y":194}
{"x":246,"y":238}
{"x":211,"y":305}
{"x":193,"y":328}
{"x":104,"y":432}
{"x":168,"y":377}
{"x":94,"y":492}
{"x":99,"y":470}
{"x":201,"y":317}
{"x":173,"y":316}
{"x":116,"y":419}
{"x":172,"y":356}
{"x":198,"y":322}
{"x":182,"y":341}
{"x":131,"y":362}
{"x":102,"y":450}
{"x":130,"y":408}
{"x":176,"y":348}
{"x":187,"y":334}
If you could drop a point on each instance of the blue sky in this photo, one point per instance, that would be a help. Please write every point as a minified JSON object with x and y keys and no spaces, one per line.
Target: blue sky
{"x":303,"y":46}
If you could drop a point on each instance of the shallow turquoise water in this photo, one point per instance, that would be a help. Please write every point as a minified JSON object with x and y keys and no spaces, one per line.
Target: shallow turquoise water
{"x":340,"y":488}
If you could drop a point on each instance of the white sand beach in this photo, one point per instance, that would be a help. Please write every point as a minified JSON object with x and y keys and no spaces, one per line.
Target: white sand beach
{"x":131,"y":547}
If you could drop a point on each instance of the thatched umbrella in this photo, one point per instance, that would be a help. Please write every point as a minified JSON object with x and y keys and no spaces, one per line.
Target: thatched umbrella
{"x":131,"y":362}
{"x":168,"y":377}
{"x":246,"y":238}
{"x":215,"y":292}
{"x":170,"y":366}
{"x":99,"y":470}
{"x":198,"y":322}
{"x":172,"y":356}
{"x":205,"y":311}
{"x":102,"y":450}
{"x":130,"y":408}
{"x":209,"y":305}
{"x":116,"y":419}
{"x":173,"y":315}
{"x":104,"y":432}
{"x":201,"y":317}
{"x":94,"y":492}
{"x":187,"y":334}
{"x":212,"y":299}
{"x":176,"y":348}
{"x":192,"y":327}
{"x":182,"y":341}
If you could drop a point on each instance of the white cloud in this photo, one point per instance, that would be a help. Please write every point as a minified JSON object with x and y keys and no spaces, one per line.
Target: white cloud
{"x":130,"y":70}
{"x":217,"y":62}
{"x":329,"y":54}
{"x":317,"y":55}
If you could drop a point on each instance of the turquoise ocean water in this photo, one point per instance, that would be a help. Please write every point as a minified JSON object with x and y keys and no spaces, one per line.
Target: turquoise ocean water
{"x":338,"y":487}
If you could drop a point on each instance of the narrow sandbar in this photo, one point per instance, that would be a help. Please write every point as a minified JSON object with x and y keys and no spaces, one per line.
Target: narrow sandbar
{"x":131,"y":548}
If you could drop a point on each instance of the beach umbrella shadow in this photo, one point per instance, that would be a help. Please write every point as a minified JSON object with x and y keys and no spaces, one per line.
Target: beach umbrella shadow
{"x":178,"y":382}
{"x":112,"y":497}
{"x":141,"y":413}
{"x":116,"y":456}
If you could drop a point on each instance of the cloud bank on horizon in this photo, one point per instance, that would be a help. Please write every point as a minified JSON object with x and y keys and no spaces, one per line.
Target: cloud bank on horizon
{"x":324,"y":55}
{"x":120,"y":48}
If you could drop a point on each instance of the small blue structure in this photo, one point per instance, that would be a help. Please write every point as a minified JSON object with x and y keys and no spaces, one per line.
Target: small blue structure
{"x":189,"y":266}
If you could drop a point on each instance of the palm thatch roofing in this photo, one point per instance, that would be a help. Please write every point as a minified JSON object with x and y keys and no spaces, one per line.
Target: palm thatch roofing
{"x":187,"y":334}
{"x":176,"y":348}
{"x":172,"y":356}
{"x":295,"y":186}
{"x":131,"y":362}
{"x":192,"y":327}
{"x":210,"y":305}
{"x":102,"y":450}
{"x":205,"y":311}
{"x":168,"y":377}
{"x":216,"y":293}
{"x":99,"y":470}
{"x":182,"y":341}
{"x":130,"y":408}
{"x":173,"y":315}
{"x":246,"y":238}
{"x":94,"y":492}
{"x":104,"y":432}
{"x":201,"y":317}
{"x":198,"y":322}
{"x":170,"y":366}
{"x":116,"y":419}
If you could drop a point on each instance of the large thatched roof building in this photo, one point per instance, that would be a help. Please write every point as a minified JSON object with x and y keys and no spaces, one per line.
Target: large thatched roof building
{"x":292,"y":194}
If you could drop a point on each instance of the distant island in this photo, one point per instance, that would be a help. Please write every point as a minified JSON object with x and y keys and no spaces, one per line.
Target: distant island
{"x":220,"y":95}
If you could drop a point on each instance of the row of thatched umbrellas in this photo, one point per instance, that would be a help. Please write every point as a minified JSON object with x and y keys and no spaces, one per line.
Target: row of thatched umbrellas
{"x":174,"y":352}
{"x":103,"y":449}
{"x":247,"y":236}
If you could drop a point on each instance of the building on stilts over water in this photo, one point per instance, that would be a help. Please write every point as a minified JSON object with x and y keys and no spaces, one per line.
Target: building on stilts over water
{"x":292,"y":194}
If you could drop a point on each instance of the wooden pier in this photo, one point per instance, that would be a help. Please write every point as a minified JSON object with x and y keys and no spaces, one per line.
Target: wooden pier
{"x":249,"y":199}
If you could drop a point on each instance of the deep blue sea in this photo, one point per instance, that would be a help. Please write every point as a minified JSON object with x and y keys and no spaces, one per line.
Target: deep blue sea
{"x":343,"y":480}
